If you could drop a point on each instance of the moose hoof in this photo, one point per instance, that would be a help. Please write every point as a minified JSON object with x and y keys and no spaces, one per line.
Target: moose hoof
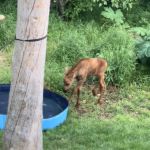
{"x":100,"y":103}
{"x":77,"y":105}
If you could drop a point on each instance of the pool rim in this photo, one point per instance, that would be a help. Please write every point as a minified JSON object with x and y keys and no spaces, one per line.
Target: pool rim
{"x":47,"y":123}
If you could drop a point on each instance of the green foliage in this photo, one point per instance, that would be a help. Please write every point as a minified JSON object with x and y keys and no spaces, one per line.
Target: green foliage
{"x":143,"y":51}
{"x":8,"y":26}
{"x":144,"y":3}
{"x":71,"y":48}
{"x":126,"y":4}
{"x":138,"y":16}
{"x":118,"y":49}
{"x":74,"y":7}
{"x":115,"y":16}
{"x":142,"y":44}
{"x":140,"y":31}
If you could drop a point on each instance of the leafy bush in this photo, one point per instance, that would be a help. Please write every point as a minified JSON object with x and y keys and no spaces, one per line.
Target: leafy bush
{"x":118,"y":49}
{"x":70,"y":49}
{"x":141,"y":18}
{"x":144,"y":32}
{"x":75,"y":7}
{"x":74,"y":43}
{"x":142,"y":44}
{"x":115,"y":16}
{"x":143,"y":51}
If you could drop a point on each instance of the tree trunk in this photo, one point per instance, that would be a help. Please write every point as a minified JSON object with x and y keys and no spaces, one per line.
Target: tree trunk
{"x":23,"y":127}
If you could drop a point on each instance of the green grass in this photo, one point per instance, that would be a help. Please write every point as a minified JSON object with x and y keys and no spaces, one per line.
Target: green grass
{"x":123,"y":123}
{"x":97,"y":134}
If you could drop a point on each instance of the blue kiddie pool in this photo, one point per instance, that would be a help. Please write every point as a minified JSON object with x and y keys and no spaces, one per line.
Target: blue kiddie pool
{"x":55,"y":108}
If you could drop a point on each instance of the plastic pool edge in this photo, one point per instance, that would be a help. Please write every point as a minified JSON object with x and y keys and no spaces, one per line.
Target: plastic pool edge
{"x":47,"y":123}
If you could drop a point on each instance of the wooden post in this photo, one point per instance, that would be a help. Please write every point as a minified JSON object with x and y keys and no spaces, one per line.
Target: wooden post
{"x":23,"y":128}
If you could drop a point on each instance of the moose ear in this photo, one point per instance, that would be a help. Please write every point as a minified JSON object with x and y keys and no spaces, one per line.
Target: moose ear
{"x":66,"y":70}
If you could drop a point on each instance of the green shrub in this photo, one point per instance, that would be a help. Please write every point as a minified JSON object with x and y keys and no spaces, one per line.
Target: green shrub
{"x":115,"y":16}
{"x":8,"y":26}
{"x":74,"y":8}
{"x":73,"y":43}
{"x":141,"y":18}
{"x":141,"y":31}
{"x":70,"y":49}
{"x":118,"y":49}
{"x":143,"y":51}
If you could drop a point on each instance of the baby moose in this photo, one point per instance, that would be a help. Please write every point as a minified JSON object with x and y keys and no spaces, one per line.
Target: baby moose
{"x":80,"y":71}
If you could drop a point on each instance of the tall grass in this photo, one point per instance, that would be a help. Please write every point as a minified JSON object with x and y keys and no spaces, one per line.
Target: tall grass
{"x":74,"y":41}
{"x":118,"y":49}
{"x":70,"y":41}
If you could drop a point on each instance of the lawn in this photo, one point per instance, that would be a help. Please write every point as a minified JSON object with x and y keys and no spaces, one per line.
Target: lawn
{"x":122,"y":123}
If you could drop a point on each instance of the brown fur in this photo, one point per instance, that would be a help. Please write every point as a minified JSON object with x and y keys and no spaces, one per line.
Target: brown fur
{"x":84,"y":68}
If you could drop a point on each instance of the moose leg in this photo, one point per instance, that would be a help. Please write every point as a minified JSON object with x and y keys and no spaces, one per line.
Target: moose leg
{"x":78,"y":89}
{"x":94,"y":91}
{"x":73,"y":92}
{"x":78,"y":100}
{"x":101,"y":88}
